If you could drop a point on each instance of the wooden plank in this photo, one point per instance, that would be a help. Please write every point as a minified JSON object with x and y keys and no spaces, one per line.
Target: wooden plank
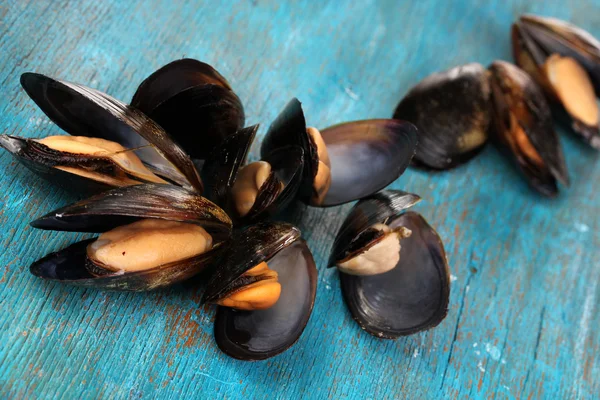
{"x":524,"y":313}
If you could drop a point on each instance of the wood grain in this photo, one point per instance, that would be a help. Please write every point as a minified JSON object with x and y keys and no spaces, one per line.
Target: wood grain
{"x":524,"y":313}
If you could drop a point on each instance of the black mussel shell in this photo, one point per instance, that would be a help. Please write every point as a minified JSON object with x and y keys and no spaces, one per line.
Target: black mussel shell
{"x":87,"y":112}
{"x":378,"y":208}
{"x":260,"y":334}
{"x":410,"y":298}
{"x":192,"y":102}
{"x":451,"y":112}
{"x":536,"y":60}
{"x":289,"y":129}
{"x":366,"y":156}
{"x":220,"y":168}
{"x":518,"y":103}
{"x":123,"y":206}
{"x":21,"y":149}
{"x":555,"y":36}
{"x":287,"y":165}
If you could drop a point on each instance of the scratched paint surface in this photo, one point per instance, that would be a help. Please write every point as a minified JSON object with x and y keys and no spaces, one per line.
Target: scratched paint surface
{"x":524,"y":313}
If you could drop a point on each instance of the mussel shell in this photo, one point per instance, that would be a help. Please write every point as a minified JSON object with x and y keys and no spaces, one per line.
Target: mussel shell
{"x":366,"y":156}
{"x":116,"y":207}
{"x":378,"y":208}
{"x":260,"y":334}
{"x":508,"y":79}
{"x":192,"y":102}
{"x":410,"y":298}
{"x":18,"y":147}
{"x":531,"y":57}
{"x":287,"y":164}
{"x":289,"y":129}
{"x":87,"y":112}
{"x":67,"y":266}
{"x":451,"y":112}
{"x":220,"y":168}
{"x":252,"y":245}
{"x":122,"y":206}
{"x":556,"y":36}
{"x":173,"y":78}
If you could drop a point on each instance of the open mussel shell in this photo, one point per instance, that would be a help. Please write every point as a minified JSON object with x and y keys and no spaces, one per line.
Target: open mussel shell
{"x":366,"y":156}
{"x":120,"y":207}
{"x":363,"y":156}
{"x":289,"y":129}
{"x":193,"y":102}
{"x":221,"y":167}
{"x":414,"y":294}
{"x":552,"y":35}
{"x":260,"y":334}
{"x":451,"y":112}
{"x":523,"y":127}
{"x":82,"y":111}
{"x":563,"y":79}
{"x":280,"y":189}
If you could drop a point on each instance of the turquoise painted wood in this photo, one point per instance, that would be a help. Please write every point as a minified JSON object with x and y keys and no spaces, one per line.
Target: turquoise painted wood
{"x":524,"y":313}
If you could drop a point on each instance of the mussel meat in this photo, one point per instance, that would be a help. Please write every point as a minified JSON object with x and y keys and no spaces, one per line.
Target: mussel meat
{"x":193,"y":102}
{"x":112,"y":145}
{"x":523,"y":126}
{"x":554,"y":54}
{"x":451,"y":112}
{"x":265,"y":290}
{"x":344,"y":162}
{"x":153,"y":235}
{"x":393,"y":269}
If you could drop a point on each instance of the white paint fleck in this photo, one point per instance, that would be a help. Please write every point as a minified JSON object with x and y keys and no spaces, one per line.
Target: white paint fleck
{"x":475,"y":344}
{"x":505,"y":387}
{"x":416,"y":353}
{"x":467,"y":289}
{"x":581,"y":227}
{"x":351,"y":94}
{"x":453,"y":278}
{"x":215,"y":379}
{"x":327,"y":287}
{"x":503,"y":361}
{"x":59,"y":215}
{"x":493,"y":351}
{"x":477,"y":352}
{"x":480,"y":366}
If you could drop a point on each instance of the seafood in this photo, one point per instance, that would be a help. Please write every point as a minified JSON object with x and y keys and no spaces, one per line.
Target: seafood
{"x":344,"y":162}
{"x":271,"y":283}
{"x":557,"y":56}
{"x":451,"y":112}
{"x":523,"y":126}
{"x":392,"y":265}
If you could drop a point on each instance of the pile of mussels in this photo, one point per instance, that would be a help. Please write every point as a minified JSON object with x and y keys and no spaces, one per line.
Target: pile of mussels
{"x":175,"y":198}
{"x":457,"y":110}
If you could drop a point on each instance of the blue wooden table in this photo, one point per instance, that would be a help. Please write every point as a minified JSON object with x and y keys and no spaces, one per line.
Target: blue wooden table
{"x":525,"y":302}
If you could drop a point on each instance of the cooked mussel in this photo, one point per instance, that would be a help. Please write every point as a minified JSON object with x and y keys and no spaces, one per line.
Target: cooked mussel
{"x":523,"y":126}
{"x":152,"y":235}
{"x":553,"y":55}
{"x":451,"y":112}
{"x":257,"y":190}
{"x":193,"y":102}
{"x":344,"y":162}
{"x":392,"y":265}
{"x":265,"y":290}
{"x":112,"y":145}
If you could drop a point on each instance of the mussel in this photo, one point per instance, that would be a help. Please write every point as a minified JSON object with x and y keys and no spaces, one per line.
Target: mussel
{"x":257,"y":190}
{"x":265,"y":290}
{"x":451,"y":112}
{"x":523,"y":126}
{"x":344,"y":162}
{"x":113,"y":145}
{"x":193,"y":102}
{"x":392,"y":265}
{"x":153,"y":235}
{"x":557,"y":55}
